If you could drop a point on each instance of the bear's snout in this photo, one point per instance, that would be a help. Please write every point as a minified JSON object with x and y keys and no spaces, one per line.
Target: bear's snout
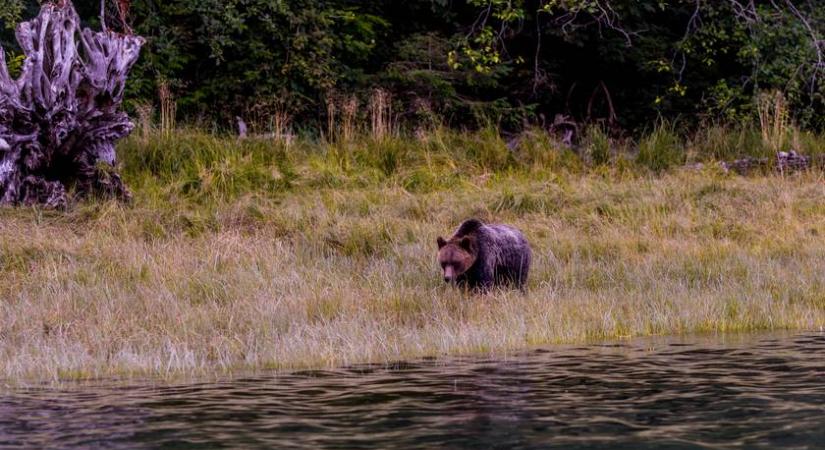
{"x":449,"y":274}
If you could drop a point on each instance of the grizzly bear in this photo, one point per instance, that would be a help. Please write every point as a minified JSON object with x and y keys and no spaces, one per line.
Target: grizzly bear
{"x":481,"y":256}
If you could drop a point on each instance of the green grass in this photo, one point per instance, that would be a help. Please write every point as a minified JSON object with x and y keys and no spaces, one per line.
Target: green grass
{"x":244,"y":255}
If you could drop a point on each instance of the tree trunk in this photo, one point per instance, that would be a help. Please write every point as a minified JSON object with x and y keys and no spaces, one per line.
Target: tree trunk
{"x":60,"y":120}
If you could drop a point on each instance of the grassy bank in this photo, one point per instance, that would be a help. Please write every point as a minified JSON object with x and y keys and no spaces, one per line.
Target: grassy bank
{"x":261,"y":255}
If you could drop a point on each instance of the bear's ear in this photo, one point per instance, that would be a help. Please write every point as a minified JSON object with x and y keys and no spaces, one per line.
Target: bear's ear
{"x":441,"y":242}
{"x":467,"y":244}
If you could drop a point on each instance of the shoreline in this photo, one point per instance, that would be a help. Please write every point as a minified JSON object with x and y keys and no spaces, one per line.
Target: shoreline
{"x":644,"y":344}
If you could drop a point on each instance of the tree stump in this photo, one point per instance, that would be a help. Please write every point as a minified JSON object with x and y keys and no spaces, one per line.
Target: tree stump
{"x":60,"y":119}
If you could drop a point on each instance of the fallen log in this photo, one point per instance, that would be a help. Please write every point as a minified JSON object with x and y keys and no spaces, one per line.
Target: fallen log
{"x":784,"y":162}
{"x":60,"y":119}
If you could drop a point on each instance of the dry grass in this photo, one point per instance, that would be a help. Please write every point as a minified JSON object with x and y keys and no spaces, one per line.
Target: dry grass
{"x":331,"y":261}
{"x":168,"y":107}
{"x":774,"y":119}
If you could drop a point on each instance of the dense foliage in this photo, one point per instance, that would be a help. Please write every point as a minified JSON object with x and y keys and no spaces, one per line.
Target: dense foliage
{"x":622,"y":63}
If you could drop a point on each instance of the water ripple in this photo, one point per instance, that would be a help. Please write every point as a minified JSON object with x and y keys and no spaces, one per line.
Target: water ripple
{"x":762,"y":392}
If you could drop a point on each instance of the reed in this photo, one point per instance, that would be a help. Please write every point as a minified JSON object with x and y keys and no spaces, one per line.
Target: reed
{"x":381,"y":116}
{"x":282,"y":126}
{"x":349,"y":118}
{"x":168,"y":107}
{"x":332,"y":116}
{"x":774,"y":119}
{"x":145,"y":113}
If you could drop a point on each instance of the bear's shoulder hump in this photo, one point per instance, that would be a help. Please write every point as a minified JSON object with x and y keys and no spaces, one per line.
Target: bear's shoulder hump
{"x":469,"y":226}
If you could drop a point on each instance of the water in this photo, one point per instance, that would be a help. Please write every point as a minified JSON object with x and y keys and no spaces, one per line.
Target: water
{"x":759,"y":391}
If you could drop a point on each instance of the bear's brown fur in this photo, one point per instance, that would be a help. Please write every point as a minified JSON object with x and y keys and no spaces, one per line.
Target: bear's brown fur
{"x":483,"y":256}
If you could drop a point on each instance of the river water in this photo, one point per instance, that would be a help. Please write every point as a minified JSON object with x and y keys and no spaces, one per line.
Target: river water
{"x":758,"y":391}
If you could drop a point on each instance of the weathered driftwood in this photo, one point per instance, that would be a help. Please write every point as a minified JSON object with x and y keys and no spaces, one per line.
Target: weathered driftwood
{"x":784,"y":162}
{"x":60,"y":119}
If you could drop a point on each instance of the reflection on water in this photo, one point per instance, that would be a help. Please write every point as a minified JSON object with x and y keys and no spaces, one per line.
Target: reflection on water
{"x":762,"y":391}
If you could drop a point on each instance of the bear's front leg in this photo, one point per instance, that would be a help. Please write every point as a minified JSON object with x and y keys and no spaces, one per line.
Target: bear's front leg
{"x":486,"y":280}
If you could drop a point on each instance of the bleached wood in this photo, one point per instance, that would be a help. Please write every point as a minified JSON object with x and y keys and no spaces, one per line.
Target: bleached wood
{"x":60,"y":119}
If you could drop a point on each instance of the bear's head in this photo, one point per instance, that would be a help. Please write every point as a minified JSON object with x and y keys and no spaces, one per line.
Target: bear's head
{"x":456,"y":256}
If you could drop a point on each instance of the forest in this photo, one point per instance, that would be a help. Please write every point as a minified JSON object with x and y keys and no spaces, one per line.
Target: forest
{"x":622,"y":64}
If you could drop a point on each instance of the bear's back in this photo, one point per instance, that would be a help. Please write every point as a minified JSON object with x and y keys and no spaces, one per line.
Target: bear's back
{"x":504,"y":255}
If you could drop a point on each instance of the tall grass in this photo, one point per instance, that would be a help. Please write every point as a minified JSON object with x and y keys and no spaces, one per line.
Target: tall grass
{"x":661,"y":149}
{"x":168,"y":107}
{"x":774,"y":119}
{"x":248,"y":254}
{"x":597,"y":146}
